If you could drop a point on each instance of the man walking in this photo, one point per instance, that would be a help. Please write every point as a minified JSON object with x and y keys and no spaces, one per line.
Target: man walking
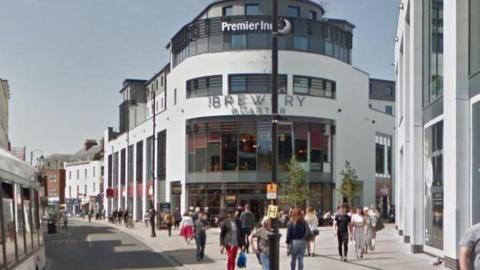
{"x":247,"y":219}
{"x":152,"y":214}
{"x":168,"y":219}
{"x":177,"y":217}
{"x":342,"y":226}
{"x":469,"y":256}
{"x":200,"y":227}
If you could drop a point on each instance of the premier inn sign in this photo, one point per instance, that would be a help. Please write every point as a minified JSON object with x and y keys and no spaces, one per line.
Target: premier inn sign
{"x":257,"y":26}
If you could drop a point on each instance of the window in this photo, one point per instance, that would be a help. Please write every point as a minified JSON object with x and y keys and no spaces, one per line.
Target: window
{"x":312,"y":15}
{"x":252,"y":9}
{"x":86,"y":174}
{"x":175,"y":97}
{"x":301,"y":142}
{"x":314,"y":86}
{"x":255,"y":83}
{"x":93,"y":171}
{"x":69,"y":174}
{"x":379,"y":158}
{"x":293,"y":11}
{"x":300,"y":43}
{"x":9,"y":222}
{"x":139,"y":164}
{"x":229,"y":152}
{"x":227,"y":11}
{"x":247,"y":151}
{"x":85,"y":190}
{"x":78,"y":174}
{"x":70,"y":191}
{"x":389,"y":91}
{"x":238,"y":41}
{"x":434,"y":47}
{"x":205,"y":86}
{"x":94,"y":188}
{"x":474,"y":36}
{"x":389,"y":109}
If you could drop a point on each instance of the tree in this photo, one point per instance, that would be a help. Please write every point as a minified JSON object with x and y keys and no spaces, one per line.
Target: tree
{"x":350,"y":183}
{"x":297,"y":187}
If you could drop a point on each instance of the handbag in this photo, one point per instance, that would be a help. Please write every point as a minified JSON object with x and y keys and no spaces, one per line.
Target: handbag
{"x":242,"y":260}
{"x":308,"y":233}
{"x":316,"y":232}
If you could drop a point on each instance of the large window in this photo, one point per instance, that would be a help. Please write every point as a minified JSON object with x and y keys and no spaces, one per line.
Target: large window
{"x":435,"y":49}
{"x":139,"y":171}
{"x":474,"y":37}
{"x":300,"y":43}
{"x":205,"y":86}
{"x":8,"y":221}
{"x":252,"y":9}
{"x":130,"y":166}
{"x":162,"y":155}
{"x":255,"y":83}
{"x":227,"y":11}
{"x":20,"y":226}
{"x":238,"y":41}
{"x":313,"y":86}
{"x":380,"y":159}
{"x":293,"y":11}
{"x":475,"y":162}
{"x":122,"y":167}
{"x":434,"y":193}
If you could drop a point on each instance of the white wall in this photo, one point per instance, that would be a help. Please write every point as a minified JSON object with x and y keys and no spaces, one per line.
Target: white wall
{"x":91,"y":179}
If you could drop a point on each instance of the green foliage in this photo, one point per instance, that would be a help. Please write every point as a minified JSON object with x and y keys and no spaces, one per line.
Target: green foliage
{"x":297,"y":187}
{"x":350,"y":183}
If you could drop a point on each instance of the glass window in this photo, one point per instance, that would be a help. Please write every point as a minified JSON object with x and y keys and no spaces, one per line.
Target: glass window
{"x":227,"y":11}
{"x":316,"y":147}
{"x":20,"y":228}
{"x":255,"y":83}
{"x":9,"y":222}
{"x":389,"y":91}
{"x":238,"y":41}
{"x":264,"y":149}
{"x":474,"y":36}
{"x":301,"y":85}
{"x":389,"y":109}
{"x":237,"y":84}
{"x":301,"y":142}
{"x":229,"y":152}
{"x":35,"y":218}
{"x":475,"y":161}
{"x":312,"y":15}
{"x":328,"y":48}
{"x":130,"y":166}
{"x":285,"y":146}
{"x":300,"y":43}
{"x":434,"y":193}
{"x":205,"y":86}
{"x":247,"y":151}
{"x":213,"y":151}
{"x":258,"y":41}
{"x":380,"y":158}
{"x":139,"y":171}
{"x":27,"y":218}
{"x":252,"y":9}
{"x":435,"y":42}
{"x":200,"y":152}
{"x":293,"y":11}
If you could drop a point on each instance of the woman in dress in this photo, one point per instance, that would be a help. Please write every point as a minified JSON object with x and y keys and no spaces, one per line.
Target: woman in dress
{"x":186,"y":228}
{"x":359,"y":225}
{"x":312,"y":221}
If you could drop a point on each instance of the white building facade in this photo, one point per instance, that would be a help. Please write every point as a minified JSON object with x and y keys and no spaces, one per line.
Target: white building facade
{"x":437,"y":124}
{"x":83,"y":185}
{"x":210,"y":143}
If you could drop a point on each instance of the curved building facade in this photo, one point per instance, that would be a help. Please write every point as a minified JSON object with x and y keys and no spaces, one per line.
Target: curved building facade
{"x":209,"y":144}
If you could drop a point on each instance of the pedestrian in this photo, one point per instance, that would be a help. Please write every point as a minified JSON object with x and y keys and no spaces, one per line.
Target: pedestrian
{"x":312,"y":221}
{"x":247,"y":218}
{"x":200,"y":231}
{"x":119,"y":216}
{"x":342,"y":227}
{"x":469,"y":257}
{"x":90,"y":215}
{"x":146,"y":218}
{"x":186,"y":228}
{"x":298,"y":232}
{"x":359,"y":231}
{"x":177,"y":217}
{"x":114,"y":216}
{"x":125,"y":218}
{"x":65,"y":220}
{"x":231,"y":238}
{"x":262,"y":245}
{"x":168,"y":219}
{"x":370,"y":232}
{"x":152,"y":215}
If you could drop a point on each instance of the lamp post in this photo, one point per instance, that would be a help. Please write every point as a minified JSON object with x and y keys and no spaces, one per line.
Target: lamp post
{"x":275,"y":237}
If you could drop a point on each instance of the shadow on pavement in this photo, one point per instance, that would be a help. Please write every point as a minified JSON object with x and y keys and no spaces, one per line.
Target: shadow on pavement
{"x":188,"y":256}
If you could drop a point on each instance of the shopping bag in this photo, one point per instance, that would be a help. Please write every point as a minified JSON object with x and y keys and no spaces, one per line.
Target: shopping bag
{"x":242,"y":260}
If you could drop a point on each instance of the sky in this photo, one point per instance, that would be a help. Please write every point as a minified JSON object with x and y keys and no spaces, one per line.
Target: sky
{"x":65,"y":60}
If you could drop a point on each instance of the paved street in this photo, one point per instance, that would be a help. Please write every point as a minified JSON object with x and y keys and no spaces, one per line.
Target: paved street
{"x":96,"y":246}
{"x":391,"y":253}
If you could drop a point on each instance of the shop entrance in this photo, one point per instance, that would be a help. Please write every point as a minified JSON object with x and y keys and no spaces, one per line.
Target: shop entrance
{"x":256,"y":202}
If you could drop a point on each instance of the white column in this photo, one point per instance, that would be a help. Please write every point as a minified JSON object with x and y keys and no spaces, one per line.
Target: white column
{"x":125,"y":206}
{"x":456,"y":125}
{"x":134,"y":206}
{"x":415,"y":112}
{"x":119,"y":173}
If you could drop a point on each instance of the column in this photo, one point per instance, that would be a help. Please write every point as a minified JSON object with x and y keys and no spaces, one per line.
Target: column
{"x":144,"y":173}
{"x":134,"y":206}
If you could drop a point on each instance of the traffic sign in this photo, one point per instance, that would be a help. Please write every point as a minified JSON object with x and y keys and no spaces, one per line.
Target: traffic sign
{"x":272,"y":191}
{"x":272,"y":211}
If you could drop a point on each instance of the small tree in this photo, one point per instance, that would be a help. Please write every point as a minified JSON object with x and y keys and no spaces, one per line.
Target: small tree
{"x":297,"y":187}
{"x":349,"y":187}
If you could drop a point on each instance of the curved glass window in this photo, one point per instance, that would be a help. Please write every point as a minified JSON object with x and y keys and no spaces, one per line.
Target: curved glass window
{"x":255,"y":83}
{"x":253,"y":32}
{"x":204,"y":86}
{"x":314,"y":86}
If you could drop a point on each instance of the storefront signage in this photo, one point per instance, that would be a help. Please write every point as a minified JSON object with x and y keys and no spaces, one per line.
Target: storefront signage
{"x":231,"y":199}
{"x":254,"y":104}
{"x":177,"y":190}
{"x":258,"y":26}
{"x":165,"y":207}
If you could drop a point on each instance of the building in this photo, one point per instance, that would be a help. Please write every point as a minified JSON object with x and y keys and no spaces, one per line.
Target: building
{"x":52,"y":188}
{"x":437,"y":64}
{"x":382,"y":95}
{"x":208,"y":142}
{"x":84,"y":178}
{"x":4,"y":97}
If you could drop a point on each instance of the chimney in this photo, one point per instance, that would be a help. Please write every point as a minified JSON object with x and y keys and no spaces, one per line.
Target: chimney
{"x":89,"y":144}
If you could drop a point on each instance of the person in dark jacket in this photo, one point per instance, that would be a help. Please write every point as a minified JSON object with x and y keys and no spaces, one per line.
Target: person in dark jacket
{"x":231,"y":238}
{"x":296,"y":238}
{"x":247,"y":218}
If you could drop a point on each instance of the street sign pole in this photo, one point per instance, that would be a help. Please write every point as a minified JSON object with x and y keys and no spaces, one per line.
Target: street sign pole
{"x":275,"y":237}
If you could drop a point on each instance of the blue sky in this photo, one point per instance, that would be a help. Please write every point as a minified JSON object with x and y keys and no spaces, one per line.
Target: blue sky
{"x":66,"y":59}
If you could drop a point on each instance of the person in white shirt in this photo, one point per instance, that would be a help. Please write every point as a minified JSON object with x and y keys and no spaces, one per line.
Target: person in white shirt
{"x":312,"y":221}
{"x":359,"y":224}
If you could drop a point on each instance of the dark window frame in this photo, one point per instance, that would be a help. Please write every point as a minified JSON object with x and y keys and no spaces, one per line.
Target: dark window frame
{"x":252,"y":5}
{"x":249,"y":79}
{"x":297,"y":10}
{"x":224,"y":11}
{"x":315,"y":80}
{"x":213,"y":86}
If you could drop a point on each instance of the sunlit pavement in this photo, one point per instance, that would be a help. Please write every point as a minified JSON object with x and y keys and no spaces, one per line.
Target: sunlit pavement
{"x":390,"y":253}
{"x":97,"y":246}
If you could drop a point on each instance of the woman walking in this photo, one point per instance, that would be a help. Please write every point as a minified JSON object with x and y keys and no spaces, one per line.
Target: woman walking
{"x":261,"y":246}
{"x":359,"y":228}
{"x":370,"y":232}
{"x":186,"y":228}
{"x":312,"y":221}
{"x":298,"y":230}
{"x":231,"y":238}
